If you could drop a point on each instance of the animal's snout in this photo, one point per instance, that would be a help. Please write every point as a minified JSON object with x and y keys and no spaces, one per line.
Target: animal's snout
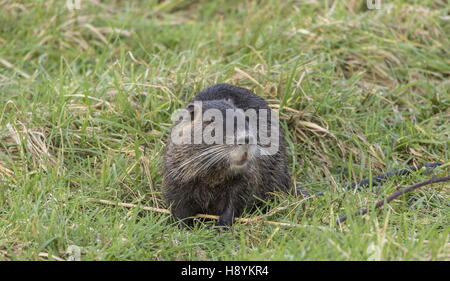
{"x":246,"y":139}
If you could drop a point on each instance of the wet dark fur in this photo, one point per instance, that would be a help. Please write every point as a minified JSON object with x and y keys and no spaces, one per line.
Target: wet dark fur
{"x":222,"y":191}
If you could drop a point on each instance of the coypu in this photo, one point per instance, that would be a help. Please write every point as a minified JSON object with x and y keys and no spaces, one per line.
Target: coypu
{"x":224,"y":179}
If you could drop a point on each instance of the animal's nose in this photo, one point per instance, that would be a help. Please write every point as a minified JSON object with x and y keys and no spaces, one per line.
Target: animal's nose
{"x":247,"y":139}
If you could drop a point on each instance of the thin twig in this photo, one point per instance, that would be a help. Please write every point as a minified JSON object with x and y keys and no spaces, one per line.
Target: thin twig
{"x":46,"y":255}
{"x":205,"y":216}
{"x":9,"y":65}
{"x":395,"y":195}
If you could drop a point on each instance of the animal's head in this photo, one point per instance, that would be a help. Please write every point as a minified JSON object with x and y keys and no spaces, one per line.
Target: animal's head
{"x":213,"y":138}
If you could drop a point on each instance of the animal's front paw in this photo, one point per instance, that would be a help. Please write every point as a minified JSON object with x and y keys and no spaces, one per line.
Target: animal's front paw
{"x":186,"y":223}
{"x":225,"y":222}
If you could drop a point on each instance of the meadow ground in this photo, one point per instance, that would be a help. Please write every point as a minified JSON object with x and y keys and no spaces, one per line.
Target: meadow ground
{"x":86,"y":97}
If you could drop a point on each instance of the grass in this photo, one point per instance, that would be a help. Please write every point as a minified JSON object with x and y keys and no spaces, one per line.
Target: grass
{"x":85,"y":104}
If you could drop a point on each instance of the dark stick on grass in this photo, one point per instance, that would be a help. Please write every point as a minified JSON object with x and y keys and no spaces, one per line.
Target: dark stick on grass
{"x":375,"y":180}
{"x":395,"y":195}
{"x":401,"y":172}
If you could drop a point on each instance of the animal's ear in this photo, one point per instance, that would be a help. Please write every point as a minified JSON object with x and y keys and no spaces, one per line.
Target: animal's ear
{"x":195,"y":110}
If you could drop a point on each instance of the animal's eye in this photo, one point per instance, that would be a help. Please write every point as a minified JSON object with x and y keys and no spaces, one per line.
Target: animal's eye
{"x":206,"y":122}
